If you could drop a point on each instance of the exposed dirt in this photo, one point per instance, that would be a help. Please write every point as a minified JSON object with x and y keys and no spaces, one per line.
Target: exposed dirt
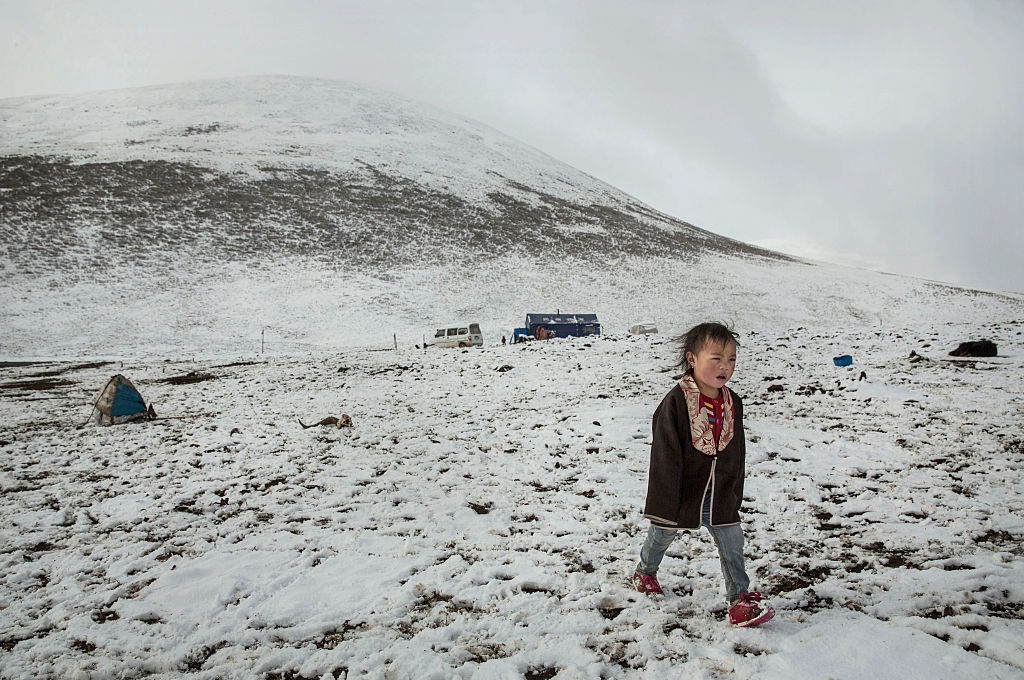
{"x":31,"y":385}
{"x":83,"y":215}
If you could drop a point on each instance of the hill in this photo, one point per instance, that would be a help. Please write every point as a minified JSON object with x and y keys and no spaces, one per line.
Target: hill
{"x":332,"y":214}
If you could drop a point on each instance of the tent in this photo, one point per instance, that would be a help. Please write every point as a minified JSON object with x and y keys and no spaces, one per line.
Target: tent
{"x":119,"y":402}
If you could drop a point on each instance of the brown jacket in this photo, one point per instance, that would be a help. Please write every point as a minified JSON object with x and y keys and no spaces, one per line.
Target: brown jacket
{"x":680,"y":473}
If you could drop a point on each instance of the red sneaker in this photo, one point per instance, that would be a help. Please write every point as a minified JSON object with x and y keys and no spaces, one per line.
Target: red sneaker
{"x":750,"y":610}
{"x":646,"y":583}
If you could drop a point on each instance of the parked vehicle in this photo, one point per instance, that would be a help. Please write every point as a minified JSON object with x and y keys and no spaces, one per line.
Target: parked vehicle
{"x":643,"y":329}
{"x":557,"y":325}
{"x":457,"y":336}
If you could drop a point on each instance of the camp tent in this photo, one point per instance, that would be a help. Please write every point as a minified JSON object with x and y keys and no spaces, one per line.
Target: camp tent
{"x":119,"y":402}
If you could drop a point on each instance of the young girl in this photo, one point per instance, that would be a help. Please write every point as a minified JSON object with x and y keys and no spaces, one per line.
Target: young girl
{"x":696,"y":476}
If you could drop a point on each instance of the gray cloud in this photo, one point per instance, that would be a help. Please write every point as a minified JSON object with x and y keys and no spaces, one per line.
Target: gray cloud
{"x":881,"y":134}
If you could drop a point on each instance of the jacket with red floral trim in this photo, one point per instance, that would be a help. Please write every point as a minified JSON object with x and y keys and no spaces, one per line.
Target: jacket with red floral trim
{"x":684,"y":461}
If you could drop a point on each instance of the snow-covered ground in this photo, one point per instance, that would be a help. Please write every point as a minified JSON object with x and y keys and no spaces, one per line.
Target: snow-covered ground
{"x":482,"y":515}
{"x":298,"y":306}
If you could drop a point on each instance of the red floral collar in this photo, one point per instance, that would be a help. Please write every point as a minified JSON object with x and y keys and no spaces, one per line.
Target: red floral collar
{"x":700,"y":429}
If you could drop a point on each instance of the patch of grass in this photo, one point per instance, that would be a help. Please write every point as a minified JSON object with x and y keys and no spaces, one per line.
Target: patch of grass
{"x":486,"y":651}
{"x":188,"y":379}
{"x":197,"y":659}
{"x":83,"y":646}
{"x":333,"y":638}
{"x":287,"y":675}
{"x":44,"y":384}
{"x":1006,"y":610}
{"x":8,"y":644}
{"x":104,"y":615}
{"x":798,"y":576}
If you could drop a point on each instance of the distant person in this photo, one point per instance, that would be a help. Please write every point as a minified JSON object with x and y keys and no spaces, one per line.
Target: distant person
{"x":696,"y":472}
{"x":503,"y":339}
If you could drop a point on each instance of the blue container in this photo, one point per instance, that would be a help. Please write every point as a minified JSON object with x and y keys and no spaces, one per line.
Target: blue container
{"x":842,"y":360}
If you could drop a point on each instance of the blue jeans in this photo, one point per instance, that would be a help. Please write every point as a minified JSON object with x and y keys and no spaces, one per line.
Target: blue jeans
{"x":728,"y":540}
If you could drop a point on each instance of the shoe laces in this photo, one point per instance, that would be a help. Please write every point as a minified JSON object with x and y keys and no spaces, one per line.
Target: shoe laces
{"x":748,"y":601}
{"x":649,"y":583}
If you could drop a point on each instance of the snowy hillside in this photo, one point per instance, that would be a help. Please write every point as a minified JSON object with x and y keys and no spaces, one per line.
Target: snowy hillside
{"x":480,"y":518}
{"x":200,"y":219}
{"x":343,"y":174}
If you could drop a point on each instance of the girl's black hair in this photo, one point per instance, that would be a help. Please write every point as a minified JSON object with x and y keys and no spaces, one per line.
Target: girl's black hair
{"x":700,"y":335}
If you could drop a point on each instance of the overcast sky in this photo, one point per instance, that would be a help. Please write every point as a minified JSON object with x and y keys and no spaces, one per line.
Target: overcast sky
{"x":881,"y":134}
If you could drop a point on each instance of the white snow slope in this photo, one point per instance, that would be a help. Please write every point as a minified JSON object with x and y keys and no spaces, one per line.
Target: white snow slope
{"x":244,"y":124}
{"x":482,"y":523}
{"x":84,"y":289}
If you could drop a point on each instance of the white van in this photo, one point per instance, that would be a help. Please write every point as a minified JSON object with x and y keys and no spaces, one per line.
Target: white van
{"x":457,"y":336}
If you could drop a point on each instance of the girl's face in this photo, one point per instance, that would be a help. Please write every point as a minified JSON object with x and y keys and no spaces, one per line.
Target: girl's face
{"x":713,"y":366}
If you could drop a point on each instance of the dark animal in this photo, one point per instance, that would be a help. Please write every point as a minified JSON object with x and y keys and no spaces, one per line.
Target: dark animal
{"x":975,"y":348}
